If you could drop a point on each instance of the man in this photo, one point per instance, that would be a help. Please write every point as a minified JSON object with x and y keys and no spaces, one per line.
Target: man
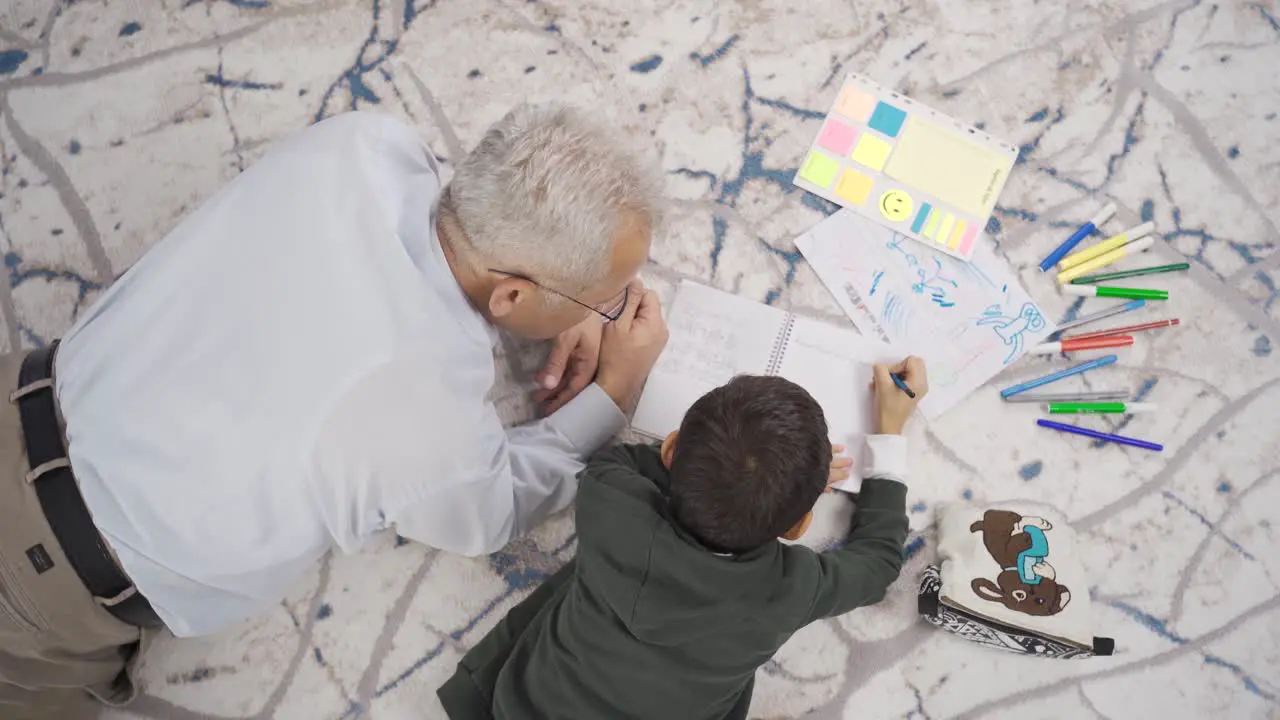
{"x":304,"y":362}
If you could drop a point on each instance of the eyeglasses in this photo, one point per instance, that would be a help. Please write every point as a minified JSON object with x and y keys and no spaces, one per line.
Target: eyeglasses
{"x":614,"y":311}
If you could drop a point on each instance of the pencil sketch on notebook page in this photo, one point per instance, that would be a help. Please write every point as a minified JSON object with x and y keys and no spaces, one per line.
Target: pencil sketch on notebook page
{"x":967,"y":320}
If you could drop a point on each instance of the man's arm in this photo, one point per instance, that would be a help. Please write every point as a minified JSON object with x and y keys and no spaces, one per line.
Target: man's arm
{"x":862,"y":570}
{"x":515,"y":478}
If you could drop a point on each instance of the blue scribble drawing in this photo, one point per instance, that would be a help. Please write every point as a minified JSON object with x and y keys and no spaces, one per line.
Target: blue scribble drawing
{"x":934,"y":282}
{"x":936,"y":285}
{"x":1010,"y":329}
{"x":895,"y":313}
{"x":875,"y":282}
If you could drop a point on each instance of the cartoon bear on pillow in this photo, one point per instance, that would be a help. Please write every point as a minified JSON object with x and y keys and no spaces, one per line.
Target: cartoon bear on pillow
{"x":1027,"y":583}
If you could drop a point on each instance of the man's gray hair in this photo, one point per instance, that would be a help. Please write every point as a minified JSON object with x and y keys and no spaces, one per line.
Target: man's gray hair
{"x":545,"y":192}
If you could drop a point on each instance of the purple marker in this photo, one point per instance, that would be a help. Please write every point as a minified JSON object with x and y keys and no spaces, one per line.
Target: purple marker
{"x":1085,"y":231}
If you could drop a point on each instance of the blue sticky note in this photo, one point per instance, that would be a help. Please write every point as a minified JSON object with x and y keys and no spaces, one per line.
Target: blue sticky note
{"x":887,"y":119}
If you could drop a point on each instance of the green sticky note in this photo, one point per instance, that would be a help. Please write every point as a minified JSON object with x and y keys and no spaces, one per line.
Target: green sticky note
{"x":819,"y":170}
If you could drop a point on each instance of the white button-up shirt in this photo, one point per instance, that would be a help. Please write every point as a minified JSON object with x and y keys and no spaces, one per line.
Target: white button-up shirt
{"x":295,"y":368}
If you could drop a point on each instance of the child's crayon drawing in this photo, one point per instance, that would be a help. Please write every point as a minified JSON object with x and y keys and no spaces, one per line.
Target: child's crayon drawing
{"x":967,"y":320}
{"x":1011,"y":329}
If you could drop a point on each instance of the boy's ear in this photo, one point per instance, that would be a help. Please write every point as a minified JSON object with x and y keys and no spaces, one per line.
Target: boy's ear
{"x":798,"y":530}
{"x":669,"y":448}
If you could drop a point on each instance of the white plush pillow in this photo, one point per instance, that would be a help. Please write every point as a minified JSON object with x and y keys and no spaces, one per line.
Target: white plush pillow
{"x":1017,"y":565}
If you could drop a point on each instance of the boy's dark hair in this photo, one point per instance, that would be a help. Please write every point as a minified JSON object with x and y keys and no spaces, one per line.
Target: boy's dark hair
{"x":751,"y":459}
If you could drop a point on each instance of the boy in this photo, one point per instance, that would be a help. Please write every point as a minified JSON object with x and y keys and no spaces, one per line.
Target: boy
{"x":680,"y":589}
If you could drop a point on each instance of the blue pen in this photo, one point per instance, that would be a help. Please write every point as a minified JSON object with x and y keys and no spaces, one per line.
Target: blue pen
{"x":902,"y":385}
{"x":1095,"y":434}
{"x":1085,"y":231}
{"x":1054,"y":377}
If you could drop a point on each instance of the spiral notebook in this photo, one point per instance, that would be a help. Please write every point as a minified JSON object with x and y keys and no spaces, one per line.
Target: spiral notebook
{"x":715,"y":335}
{"x":908,"y":167}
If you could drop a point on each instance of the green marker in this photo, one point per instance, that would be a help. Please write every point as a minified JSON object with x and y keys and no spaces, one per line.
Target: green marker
{"x":1115,"y":292}
{"x":1094,"y":408}
{"x":1138,"y":272}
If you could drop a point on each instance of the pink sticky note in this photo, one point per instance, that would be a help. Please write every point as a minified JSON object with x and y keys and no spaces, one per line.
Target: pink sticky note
{"x":966,"y":245}
{"x":837,"y":137}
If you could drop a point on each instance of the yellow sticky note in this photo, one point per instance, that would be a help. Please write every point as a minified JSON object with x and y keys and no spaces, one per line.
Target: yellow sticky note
{"x":932,"y":224}
{"x":948,"y":221}
{"x":957,"y":234}
{"x":854,"y":187}
{"x":871,"y":151}
{"x":948,"y":165}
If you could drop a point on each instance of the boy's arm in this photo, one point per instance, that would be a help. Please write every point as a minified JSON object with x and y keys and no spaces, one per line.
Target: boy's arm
{"x":858,"y":573}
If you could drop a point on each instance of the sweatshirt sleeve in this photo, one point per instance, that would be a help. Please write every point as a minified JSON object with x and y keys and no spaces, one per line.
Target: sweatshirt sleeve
{"x":862,"y":570}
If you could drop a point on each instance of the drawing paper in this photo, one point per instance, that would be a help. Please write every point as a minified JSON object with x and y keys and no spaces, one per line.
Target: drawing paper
{"x":967,"y":320}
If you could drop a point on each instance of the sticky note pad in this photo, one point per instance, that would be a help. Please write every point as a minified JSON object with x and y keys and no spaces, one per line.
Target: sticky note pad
{"x":887,"y":119}
{"x":837,"y":137}
{"x":854,"y":187}
{"x":819,"y":170}
{"x":948,"y":166}
{"x":856,"y":104}
{"x":871,"y":151}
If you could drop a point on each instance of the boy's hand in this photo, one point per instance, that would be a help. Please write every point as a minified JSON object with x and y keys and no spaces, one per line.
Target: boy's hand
{"x":631,"y":345}
{"x":893,"y":406}
{"x":840,"y":467}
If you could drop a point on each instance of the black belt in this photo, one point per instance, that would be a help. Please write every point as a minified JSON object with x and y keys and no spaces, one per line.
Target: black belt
{"x":60,"y":496}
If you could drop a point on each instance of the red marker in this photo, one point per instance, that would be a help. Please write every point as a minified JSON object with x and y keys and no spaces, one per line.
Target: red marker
{"x":1067,"y":345}
{"x":1126,"y":329}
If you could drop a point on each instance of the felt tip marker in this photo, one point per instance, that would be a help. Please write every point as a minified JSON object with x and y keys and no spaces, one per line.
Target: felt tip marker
{"x":1136,"y":232}
{"x":1158,"y":324}
{"x":1082,"y":396}
{"x":1124,"y":251}
{"x":1085,"y":231}
{"x":1136,"y":272}
{"x":1091,"y":408}
{"x":1108,"y":291}
{"x":1054,"y":377}
{"x":1108,"y":437}
{"x":1067,"y":345}
{"x":1103,"y":314}
{"x":902,"y":385}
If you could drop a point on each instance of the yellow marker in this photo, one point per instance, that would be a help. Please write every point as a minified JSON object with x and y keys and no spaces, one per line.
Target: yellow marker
{"x":945,"y":229}
{"x":956,"y":235}
{"x":1105,"y":259}
{"x":1106,"y":246}
{"x":932,"y":224}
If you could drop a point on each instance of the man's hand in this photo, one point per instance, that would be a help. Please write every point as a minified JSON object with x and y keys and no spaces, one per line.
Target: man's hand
{"x":841,"y":467}
{"x":571,"y":366}
{"x":630,"y":346}
{"x":893,"y":406}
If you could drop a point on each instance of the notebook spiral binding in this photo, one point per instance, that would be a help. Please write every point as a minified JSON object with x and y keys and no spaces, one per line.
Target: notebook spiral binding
{"x":780,"y":345}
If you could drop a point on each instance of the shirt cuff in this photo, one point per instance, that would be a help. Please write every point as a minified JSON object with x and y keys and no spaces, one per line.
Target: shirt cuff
{"x":589,"y":420}
{"x":886,"y":457}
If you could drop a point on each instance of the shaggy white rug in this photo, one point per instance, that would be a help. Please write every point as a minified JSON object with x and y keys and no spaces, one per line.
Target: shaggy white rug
{"x":121,"y":117}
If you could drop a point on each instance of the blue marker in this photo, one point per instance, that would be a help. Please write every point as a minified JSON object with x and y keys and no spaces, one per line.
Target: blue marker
{"x":1054,"y":377}
{"x":902,"y":385}
{"x":1085,"y":231}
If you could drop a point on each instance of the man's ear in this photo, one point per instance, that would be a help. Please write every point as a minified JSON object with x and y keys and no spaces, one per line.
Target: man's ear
{"x":669,"y":448}
{"x":507,"y":293}
{"x":993,"y":591}
{"x":798,"y":530}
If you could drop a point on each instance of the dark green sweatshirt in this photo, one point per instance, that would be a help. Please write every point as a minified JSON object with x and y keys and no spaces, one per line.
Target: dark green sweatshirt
{"x":646,"y":623}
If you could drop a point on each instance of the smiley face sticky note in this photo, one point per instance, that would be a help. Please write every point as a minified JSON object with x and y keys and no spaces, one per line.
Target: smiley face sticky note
{"x":906,"y":166}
